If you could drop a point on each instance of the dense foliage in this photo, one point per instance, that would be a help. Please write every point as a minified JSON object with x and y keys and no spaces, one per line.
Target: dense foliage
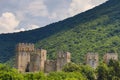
{"x":100,"y":35}
{"x":71,"y":71}
{"x":96,"y":30}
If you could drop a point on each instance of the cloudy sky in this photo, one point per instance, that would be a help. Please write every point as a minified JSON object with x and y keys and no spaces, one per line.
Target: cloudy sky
{"x":20,"y":15}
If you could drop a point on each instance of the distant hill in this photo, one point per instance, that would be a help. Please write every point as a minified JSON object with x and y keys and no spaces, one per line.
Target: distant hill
{"x":96,"y":30}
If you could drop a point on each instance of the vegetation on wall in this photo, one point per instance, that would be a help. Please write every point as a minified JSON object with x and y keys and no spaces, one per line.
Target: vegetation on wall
{"x":71,"y":71}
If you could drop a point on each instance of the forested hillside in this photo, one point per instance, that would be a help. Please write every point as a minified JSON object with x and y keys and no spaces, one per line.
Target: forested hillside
{"x":100,"y":34}
{"x":96,"y":30}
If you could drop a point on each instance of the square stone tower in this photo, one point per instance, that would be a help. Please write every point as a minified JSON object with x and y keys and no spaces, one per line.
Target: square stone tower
{"x":23,"y":51}
{"x":92,"y":59}
{"x":62,"y":59}
{"x":37,"y":60}
{"x":30,"y":59}
{"x":108,"y":56}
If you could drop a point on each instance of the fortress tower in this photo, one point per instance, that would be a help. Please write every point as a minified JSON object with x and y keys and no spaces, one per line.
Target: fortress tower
{"x":23,"y":51}
{"x":30,"y":59}
{"x":62,"y":59}
{"x":37,"y":60}
{"x":108,"y":56}
{"x":57,"y":65}
{"x":92,"y":59}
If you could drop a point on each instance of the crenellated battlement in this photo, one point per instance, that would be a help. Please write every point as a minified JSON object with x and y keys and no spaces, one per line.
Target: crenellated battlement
{"x":91,"y":56}
{"x":92,"y":59}
{"x":63,"y":54}
{"x":108,"y":56}
{"x":50,"y":62}
{"x":27,"y":47}
{"x":30,"y":59}
{"x":38,"y":51}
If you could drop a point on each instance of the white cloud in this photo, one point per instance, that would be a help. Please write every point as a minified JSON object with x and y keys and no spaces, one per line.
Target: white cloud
{"x":18,"y":30}
{"x":75,"y":7}
{"x":20,"y":15}
{"x":31,"y":26}
{"x":97,"y":2}
{"x":28,"y":27}
{"x":40,"y":12}
{"x":78,"y":6}
{"x":53,"y":15}
{"x":8,"y":22}
{"x":58,"y":15}
{"x":38,"y":8}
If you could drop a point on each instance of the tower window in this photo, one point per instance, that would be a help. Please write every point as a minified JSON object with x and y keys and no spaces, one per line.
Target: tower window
{"x":93,"y":63}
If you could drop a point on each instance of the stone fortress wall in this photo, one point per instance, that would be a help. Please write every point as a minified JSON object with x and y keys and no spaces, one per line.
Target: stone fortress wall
{"x":30,"y":59}
{"x":92,"y":59}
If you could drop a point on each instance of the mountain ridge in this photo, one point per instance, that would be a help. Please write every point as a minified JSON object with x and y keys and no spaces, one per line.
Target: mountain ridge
{"x":33,"y":36}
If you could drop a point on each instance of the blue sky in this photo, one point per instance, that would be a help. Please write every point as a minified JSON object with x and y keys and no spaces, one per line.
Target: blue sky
{"x":20,"y":15}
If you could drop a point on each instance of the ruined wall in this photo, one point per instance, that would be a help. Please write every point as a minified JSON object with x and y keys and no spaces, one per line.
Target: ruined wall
{"x":50,"y":65}
{"x":108,"y":56}
{"x":29,"y":59}
{"x":62,"y":59}
{"x":92,"y":59}
{"x":34,"y":62}
{"x":37,"y":60}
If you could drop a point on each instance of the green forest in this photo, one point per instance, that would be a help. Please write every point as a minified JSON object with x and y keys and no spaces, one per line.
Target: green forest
{"x":93,"y":36}
{"x":70,"y":71}
{"x":96,"y":30}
